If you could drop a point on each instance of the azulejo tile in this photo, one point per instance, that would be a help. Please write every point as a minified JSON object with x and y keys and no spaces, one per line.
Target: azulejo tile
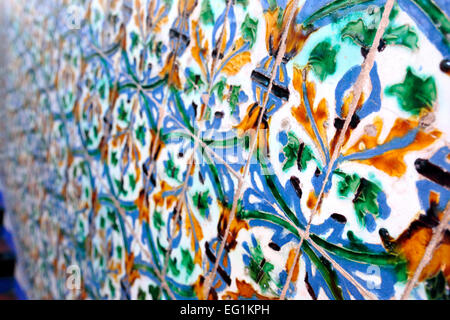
{"x":229,"y":149}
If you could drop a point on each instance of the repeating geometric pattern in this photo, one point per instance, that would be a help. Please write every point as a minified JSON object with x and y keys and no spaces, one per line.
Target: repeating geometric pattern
{"x":229,"y":149}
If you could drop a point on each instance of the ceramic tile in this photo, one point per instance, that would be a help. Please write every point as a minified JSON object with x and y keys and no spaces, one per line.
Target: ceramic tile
{"x":236,"y":149}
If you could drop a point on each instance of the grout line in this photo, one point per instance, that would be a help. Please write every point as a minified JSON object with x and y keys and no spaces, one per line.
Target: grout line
{"x":438,"y":234}
{"x":357,"y":90}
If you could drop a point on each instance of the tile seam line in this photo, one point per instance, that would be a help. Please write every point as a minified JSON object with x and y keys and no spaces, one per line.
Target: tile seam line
{"x":438,"y":234}
{"x":237,"y":196}
{"x":358,"y":86}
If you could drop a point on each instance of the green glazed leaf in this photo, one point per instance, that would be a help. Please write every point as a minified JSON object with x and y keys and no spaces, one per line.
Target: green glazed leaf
{"x":248,"y":29}
{"x":187,"y":262}
{"x":365,"y":200}
{"x":323,"y":59}
{"x":243,"y":3}
{"x":234,"y":97}
{"x":201,"y":201}
{"x":415,"y":93}
{"x":206,"y":13}
{"x":140,"y":134}
{"x":260,"y":268}
{"x":290,"y":151}
{"x":359,"y":33}
{"x":171,"y":169}
{"x":158,"y":221}
{"x":220,"y":87}
{"x":402,"y":35}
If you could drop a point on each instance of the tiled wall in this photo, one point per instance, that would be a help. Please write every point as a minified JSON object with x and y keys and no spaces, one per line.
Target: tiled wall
{"x":228,"y":149}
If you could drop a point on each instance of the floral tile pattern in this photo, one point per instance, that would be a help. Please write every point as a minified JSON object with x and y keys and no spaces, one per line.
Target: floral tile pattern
{"x":229,"y":149}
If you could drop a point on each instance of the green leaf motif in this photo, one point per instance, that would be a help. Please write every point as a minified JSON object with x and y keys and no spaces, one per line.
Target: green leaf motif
{"x":365,"y":195}
{"x":323,"y":59}
{"x":158,"y":222}
{"x":234,"y":97}
{"x":111,"y":215}
{"x":348,"y":185}
{"x":154,"y":291}
{"x":187,"y":262}
{"x":201,"y":201}
{"x":173,"y":267}
{"x":243,"y":3}
{"x":114,"y":159}
{"x":171,"y":169}
{"x":402,"y":35}
{"x":132,"y":181}
{"x":123,"y":114}
{"x":140,"y":134}
{"x":155,"y":49}
{"x":260,"y":268}
{"x":172,"y":263}
{"x":193,"y":82}
{"x":134,"y":40}
{"x":293,"y":153}
{"x":141,"y":294}
{"x":206,"y":14}
{"x":88,"y":137}
{"x":363,"y":34}
{"x":120,"y":187}
{"x":102,"y":222}
{"x":68,"y":100}
{"x":111,"y":288}
{"x":365,"y":200}
{"x":359,"y":33}
{"x":415,"y":93}
{"x":102,"y":90}
{"x":249,"y":28}
{"x":290,"y":151}
{"x":220,"y":87}
{"x":306,"y":156}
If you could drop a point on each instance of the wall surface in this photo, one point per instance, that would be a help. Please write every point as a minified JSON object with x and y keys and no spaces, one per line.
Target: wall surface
{"x":184,"y":149}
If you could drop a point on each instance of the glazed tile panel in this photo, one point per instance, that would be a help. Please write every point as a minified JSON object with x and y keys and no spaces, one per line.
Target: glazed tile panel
{"x":240,"y":149}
